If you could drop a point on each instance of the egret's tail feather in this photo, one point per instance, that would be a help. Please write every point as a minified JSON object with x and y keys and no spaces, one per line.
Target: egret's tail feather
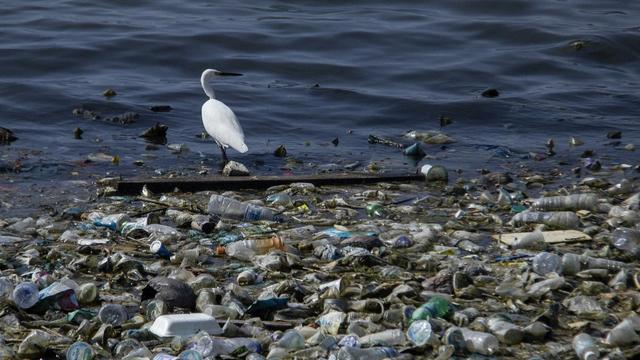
{"x":242,"y":148}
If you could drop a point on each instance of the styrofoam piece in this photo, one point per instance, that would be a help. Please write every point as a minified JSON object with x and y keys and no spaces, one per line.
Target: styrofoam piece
{"x":185,"y":325}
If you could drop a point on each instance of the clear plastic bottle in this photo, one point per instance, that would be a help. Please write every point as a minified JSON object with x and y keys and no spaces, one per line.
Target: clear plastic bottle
{"x":556,"y":219}
{"x":373,"y":353}
{"x":389,"y":337}
{"x":624,"y":334}
{"x":113,"y":314}
{"x":626,"y":239}
{"x":26,"y":295}
{"x":569,"y":202}
{"x":80,"y":351}
{"x":420,"y":332}
{"x":180,"y":218}
{"x":585,"y":347}
{"x":545,"y":262}
{"x":114,"y":222}
{"x":480,"y":342}
{"x":571,"y":264}
{"x":209,"y":346}
{"x":247,"y":249}
{"x":226,"y":207}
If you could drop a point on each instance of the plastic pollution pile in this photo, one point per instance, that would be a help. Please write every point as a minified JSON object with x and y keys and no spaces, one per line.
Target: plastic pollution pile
{"x":492,"y":267}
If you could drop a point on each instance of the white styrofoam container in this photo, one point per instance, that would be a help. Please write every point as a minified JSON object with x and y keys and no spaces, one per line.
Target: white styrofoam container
{"x":185,"y":325}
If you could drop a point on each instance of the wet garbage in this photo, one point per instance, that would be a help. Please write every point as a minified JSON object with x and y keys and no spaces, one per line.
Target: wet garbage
{"x":445,"y":268}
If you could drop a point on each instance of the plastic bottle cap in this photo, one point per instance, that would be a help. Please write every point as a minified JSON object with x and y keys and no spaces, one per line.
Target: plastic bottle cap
{"x":155,"y":246}
{"x":590,"y":355}
{"x":277,"y":242}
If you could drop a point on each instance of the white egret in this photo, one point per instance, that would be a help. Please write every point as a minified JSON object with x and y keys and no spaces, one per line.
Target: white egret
{"x":219,"y":120}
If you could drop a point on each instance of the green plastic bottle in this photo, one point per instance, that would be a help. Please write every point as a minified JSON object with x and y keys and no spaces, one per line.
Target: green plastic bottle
{"x":375,"y":209}
{"x":436,"y":307}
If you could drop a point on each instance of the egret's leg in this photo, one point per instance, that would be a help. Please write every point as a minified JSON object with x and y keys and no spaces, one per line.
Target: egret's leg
{"x":225,"y":159}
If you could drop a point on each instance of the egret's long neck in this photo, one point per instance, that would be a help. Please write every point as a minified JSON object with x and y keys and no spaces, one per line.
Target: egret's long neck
{"x":208,"y":89}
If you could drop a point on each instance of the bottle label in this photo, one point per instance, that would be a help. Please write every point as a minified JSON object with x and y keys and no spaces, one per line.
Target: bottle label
{"x":252,"y":213}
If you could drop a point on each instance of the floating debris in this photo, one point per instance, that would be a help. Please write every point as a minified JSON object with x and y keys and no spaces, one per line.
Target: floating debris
{"x":77,"y":133}
{"x":157,"y":134}
{"x":281,"y":151}
{"x":490,"y":93}
{"x":160,"y":108}
{"x":109,"y":93}
{"x":6,"y":136}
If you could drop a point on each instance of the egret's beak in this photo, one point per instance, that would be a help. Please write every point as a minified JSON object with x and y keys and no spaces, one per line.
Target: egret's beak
{"x":222,"y":73}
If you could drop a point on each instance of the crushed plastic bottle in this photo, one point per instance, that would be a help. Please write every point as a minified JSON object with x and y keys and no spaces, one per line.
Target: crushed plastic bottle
{"x":480,"y":342}
{"x":505,"y":330}
{"x":226,"y":207}
{"x":627,"y":240}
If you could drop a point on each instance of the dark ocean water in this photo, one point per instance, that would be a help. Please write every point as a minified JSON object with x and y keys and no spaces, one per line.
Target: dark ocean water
{"x":563,"y":68}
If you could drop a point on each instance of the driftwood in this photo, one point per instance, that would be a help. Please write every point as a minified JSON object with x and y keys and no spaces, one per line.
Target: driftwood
{"x":133,"y":187}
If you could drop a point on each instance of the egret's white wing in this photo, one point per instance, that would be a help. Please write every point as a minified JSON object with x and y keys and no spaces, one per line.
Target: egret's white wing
{"x":221,"y":123}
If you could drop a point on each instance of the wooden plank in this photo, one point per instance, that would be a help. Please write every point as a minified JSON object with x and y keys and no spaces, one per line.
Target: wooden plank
{"x":134,"y":186}
{"x":550,"y":237}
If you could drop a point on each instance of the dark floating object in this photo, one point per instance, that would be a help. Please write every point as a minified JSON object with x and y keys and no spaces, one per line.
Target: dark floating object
{"x":376,"y":140}
{"x":133,"y":187}
{"x":550,"y":145}
{"x":124,"y":119}
{"x":77,"y":133}
{"x":588,"y":154}
{"x":6,"y":136}
{"x":173,"y":292}
{"x":490,"y":93}
{"x":109,"y":93}
{"x":335,"y":141}
{"x":160,"y":108}
{"x":614,"y":135}
{"x":157,"y":134}
{"x":445,"y":120}
{"x":414,"y":151}
{"x":281,"y":151}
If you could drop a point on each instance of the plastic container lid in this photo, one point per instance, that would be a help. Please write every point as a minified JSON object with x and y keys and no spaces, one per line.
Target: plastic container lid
{"x":185,"y":325}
